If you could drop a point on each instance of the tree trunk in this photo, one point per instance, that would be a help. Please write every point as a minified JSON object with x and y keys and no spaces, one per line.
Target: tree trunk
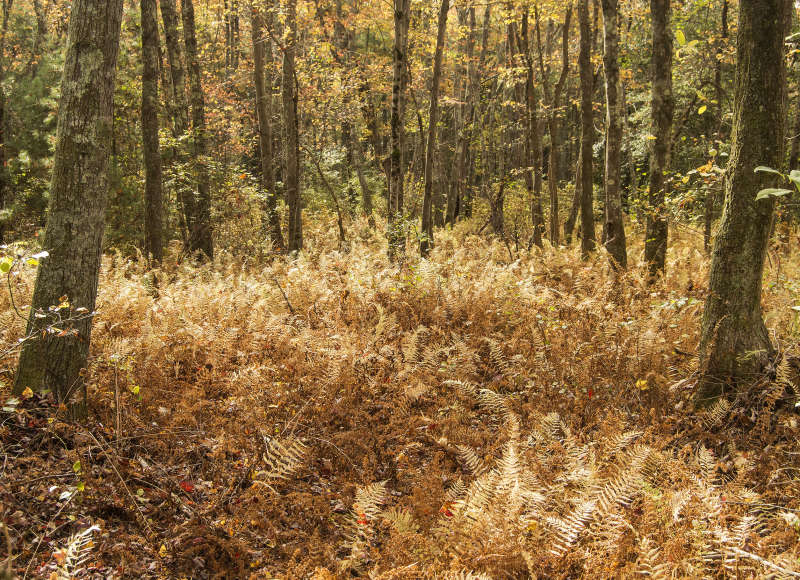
{"x":586,"y":184}
{"x":655,"y":245}
{"x":290,"y":121}
{"x":433,"y":120}
{"x":615,"y":230}
{"x":711,"y":195}
{"x":272,"y":220}
{"x":76,"y":217}
{"x":471,"y":87}
{"x":533,"y":139}
{"x":154,"y":223}
{"x":395,"y":205}
{"x":202,"y":237}
{"x":179,"y":106}
{"x":7,"y":5}
{"x":735,"y":345}
{"x":553,"y":99}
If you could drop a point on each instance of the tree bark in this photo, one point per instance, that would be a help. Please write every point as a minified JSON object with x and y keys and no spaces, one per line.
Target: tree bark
{"x":735,"y":346}
{"x":662,"y":105}
{"x":290,"y":121}
{"x":710,"y":204}
{"x":202,"y":237}
{"x":586,"y":184}
{"x":553,"y":99}
{"x":7,"y":5}
{"x":272,"y":220}
{"x":395,"y":205}
{"x":426,"y":243}
{"x":78,"y":195}
{"x":615,"y":230}
{"x":533,"y":138}
{"x":154,"y":221}
{"x":179,"y":105}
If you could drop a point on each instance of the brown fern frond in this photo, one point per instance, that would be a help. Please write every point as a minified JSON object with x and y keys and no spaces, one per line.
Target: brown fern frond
{"x":281,"y":459}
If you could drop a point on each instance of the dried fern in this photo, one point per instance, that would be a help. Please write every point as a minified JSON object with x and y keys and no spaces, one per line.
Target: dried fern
{"x":75,"y":554}
{"x":281,"y":460}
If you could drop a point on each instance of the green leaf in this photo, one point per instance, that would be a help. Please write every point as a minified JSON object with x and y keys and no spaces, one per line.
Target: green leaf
{"x":5,"y":264}
{"x":76,"y":467}
{"x":772,"y":192}
{"x":765,"y":169}
{"x":680,"y":37}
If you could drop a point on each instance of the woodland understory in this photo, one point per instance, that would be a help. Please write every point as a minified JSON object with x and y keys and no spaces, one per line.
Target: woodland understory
{"x":489,"y":412}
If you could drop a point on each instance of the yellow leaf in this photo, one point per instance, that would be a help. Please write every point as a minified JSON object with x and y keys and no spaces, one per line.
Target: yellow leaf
{"x":642,"y":384}
{"x":702,"y":110}
{"x":162,"y":551}
{"x":27,"y":393}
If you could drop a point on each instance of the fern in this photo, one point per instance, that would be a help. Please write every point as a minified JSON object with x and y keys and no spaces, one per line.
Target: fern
{"x":281,"y":460}
{"x":648,"y":564}
{"x":567,"y":530}
{"x":470,"y":460}
{"x":77,"y":551}
{"x":717,"y":413}
{"x":402,"y":520}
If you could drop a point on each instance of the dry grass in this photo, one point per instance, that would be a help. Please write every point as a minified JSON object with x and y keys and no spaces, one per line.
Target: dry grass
{"x":485,"y":413}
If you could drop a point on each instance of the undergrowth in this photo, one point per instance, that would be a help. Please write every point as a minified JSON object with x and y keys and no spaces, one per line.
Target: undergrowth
{"x":487,"y":413}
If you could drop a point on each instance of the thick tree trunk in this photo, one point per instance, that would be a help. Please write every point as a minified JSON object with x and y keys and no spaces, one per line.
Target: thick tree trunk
{"x":615,"y":230}
{"x":153,"y":219}
{"x":179,"y":105}
{"x":202,"y":236}
{"x":395,"y":205}
{"x":586,"y":185}
{"x":662,"y":105}
{"x":78,"y":194}
{"x":291,"y":126}
{"x":426,"y":243}
{"x":735,"y":345}
{"x":272,"y":220}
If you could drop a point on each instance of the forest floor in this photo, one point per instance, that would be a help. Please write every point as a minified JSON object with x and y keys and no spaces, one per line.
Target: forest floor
{"x":490,"y":413}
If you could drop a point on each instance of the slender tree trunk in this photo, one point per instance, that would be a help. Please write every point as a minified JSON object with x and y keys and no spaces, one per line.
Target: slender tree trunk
{"x":553,"y":98}
{"x":655,"y":246}
{"x":7,"y":5}
{"x":154,"y":221}
{"x":272,"y":219}
{"x":395,"y":205}
{"x":720,"y":96}
{"x":471,"y":86}
{"x":433,"y":120}
{"x":615,"y":230}
{"x":291,"y":125}
{"x":202,"y":236}
{"x":735,"y":346}
{"x":76,"y":217}
{"x":533,"y":138}
{"x":586,"y":185}
{"x":179,"y":105}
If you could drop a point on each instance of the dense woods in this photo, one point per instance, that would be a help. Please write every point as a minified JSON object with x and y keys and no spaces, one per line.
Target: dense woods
{"x":347,"y":288}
